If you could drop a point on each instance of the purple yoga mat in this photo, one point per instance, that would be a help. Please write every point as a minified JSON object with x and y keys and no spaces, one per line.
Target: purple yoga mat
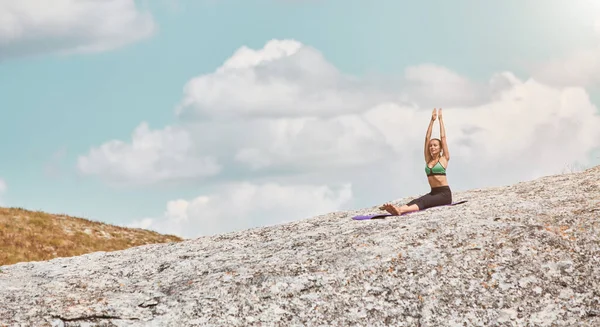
{"x":383,"y":215}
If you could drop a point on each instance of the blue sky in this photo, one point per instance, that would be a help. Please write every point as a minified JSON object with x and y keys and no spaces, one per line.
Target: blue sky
{"x":58,"y":104}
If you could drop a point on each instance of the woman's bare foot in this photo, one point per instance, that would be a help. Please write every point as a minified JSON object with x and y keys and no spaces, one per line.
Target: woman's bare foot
{"x":383,"y":206}
{"x":391,"y":209}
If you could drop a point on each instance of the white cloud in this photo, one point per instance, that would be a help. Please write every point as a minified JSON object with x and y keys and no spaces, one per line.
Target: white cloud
{"x":581,"y":68}
{"x":429,"y":84}
{"x":312,"y":143}
{"x":287,"y":79}
{"x":152,"y":156}
{"x":499,"y":132}
{"x":289,"y":138}
{"x":246,"y":205}
{"x":539,"y":125}
{"x":31,"y":27}
{"x":283,"y":79}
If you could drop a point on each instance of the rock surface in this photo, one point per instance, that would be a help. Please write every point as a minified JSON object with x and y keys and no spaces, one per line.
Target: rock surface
{"x":521,"y":255}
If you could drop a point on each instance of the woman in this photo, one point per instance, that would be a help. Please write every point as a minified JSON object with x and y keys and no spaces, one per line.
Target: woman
{"x":436,"y":159}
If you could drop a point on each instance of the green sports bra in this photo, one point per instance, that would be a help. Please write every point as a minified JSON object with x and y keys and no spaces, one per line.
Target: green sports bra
{"x":437,"y":169}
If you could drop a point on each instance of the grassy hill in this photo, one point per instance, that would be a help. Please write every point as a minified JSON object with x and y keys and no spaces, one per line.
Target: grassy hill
{"x":36,"y":236}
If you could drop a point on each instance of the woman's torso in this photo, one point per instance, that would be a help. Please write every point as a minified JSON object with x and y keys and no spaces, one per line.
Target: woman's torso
{"x":437,"y":180}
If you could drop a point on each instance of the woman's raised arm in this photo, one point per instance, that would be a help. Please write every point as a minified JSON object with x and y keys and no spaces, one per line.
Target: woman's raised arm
{"x":428,"y":136}
{"x":443,"y":136}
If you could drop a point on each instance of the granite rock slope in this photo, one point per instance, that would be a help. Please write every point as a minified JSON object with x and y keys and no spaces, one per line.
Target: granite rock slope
{"x":522,"y":255}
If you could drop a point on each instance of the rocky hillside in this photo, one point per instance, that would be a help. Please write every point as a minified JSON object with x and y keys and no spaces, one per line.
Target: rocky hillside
{"x":522,"y":255}
{"x":35,"y":236}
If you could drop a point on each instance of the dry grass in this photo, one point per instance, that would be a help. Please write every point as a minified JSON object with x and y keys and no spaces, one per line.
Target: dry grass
{"x":37,"y":236}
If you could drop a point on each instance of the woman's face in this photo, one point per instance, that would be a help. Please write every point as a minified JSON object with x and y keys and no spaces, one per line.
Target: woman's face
{"x":434,"y":148}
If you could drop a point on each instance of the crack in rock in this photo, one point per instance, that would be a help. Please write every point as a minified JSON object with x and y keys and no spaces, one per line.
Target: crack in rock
{"x":91,"y":318}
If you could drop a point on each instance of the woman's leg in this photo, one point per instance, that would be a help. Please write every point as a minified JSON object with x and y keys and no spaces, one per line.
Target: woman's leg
{"x":397,"y":211}
{"x":414,"y":205}
{"x":437,"y":197}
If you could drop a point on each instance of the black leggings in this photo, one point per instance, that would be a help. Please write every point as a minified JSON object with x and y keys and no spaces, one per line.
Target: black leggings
{"x":438,"y":196}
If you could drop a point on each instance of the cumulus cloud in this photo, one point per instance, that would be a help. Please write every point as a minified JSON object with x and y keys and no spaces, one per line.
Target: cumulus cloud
{"x":283,"y":79}
{"x":499,"y":132}
{"x":428,"y":84}
{"x":287,"y":79}
{"x":541,"y":126}
{"x":31,"y":27}
{"x":531,"y":130}
{"x":151,"y":157}
{"x":246,"y":205}
{"x":293,"y":139}
{"x":581,"y":68}
{"x":312,"y":143}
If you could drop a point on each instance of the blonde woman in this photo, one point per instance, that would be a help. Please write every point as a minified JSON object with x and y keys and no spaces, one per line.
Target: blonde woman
{"x":436,"y":162}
